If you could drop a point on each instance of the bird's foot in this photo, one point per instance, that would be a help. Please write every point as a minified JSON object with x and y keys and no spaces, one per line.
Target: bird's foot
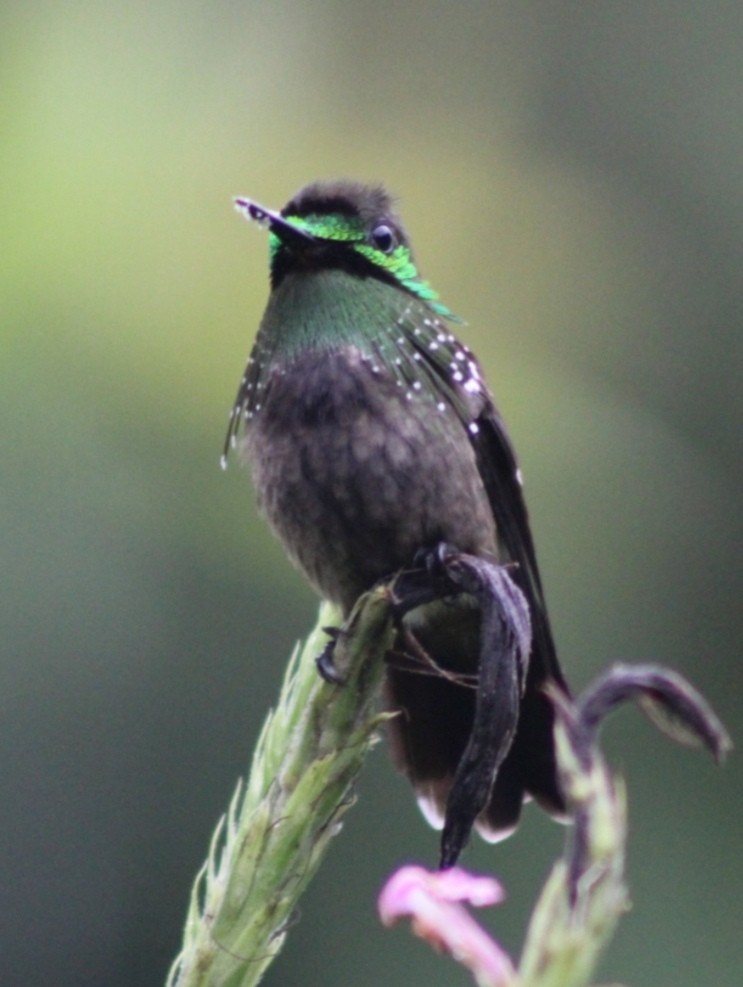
{"x":429,"y":579}
{"x":325,"y":661}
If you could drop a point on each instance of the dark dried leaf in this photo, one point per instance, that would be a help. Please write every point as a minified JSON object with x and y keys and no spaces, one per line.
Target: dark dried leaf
{"x":667,"y":699}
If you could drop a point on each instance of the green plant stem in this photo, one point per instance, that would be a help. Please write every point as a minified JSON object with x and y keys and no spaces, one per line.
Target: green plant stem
{"x":577,"y":912}
{"x":267,"y":847}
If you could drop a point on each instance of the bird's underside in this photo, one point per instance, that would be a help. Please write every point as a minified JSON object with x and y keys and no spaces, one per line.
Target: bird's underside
{"x":363,"y":501}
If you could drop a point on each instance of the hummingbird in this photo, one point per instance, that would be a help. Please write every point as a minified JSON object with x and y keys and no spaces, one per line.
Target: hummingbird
{"x":372,"y":437}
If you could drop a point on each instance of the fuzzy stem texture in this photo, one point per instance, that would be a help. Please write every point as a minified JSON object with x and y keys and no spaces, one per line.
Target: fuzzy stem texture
{"x":268,"y":845}
{"x":585,"y":895}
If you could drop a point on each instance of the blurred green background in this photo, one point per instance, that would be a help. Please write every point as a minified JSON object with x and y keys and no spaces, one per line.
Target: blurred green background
{"x":571,"y":176}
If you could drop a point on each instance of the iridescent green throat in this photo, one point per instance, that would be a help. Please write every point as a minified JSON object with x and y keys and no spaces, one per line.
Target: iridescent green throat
{"x":396,"y":334}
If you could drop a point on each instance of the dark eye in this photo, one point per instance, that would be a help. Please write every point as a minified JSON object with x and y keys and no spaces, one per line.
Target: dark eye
{"x":383,"y":238}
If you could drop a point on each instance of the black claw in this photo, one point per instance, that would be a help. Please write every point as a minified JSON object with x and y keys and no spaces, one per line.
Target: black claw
{"x":428,"y":580}
{"x":325,"y":661}
{"x":434,"y":560}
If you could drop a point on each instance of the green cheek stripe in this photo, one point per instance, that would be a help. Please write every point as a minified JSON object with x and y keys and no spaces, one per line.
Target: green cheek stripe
{"x":333,"y":227}
{"x":400,"y":265}
{"x":347,"y":230}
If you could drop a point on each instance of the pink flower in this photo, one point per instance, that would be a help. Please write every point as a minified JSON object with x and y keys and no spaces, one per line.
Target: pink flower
{"x":433,"y":901}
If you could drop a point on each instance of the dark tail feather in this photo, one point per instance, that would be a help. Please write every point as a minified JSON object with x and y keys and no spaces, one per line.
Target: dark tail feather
{"x":529,"y":769}
{"x":429,"y":736}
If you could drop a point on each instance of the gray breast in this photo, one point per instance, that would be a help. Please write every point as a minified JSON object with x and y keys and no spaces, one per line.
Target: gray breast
{"x":355,"y":476}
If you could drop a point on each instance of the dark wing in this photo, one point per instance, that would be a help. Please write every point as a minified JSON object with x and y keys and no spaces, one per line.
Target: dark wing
{"x":454,"y":371}
{"x":530,"y":765}
{"x":500,"y":473}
